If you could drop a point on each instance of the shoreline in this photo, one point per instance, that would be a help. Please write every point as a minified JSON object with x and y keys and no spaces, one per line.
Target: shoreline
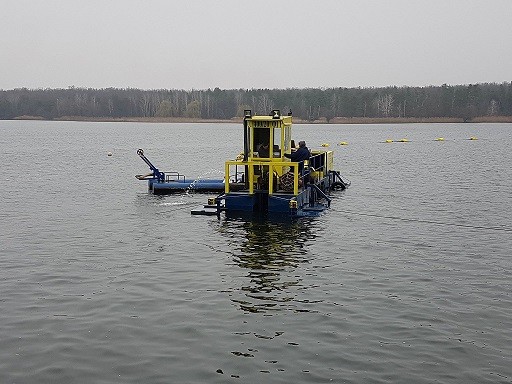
{"x":238,"y":120}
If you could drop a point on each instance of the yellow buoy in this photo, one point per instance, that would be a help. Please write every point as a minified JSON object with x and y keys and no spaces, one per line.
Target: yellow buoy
{"x":389,"y":141}
{"x":343,"y":143}
{"x":473,"y":138}
{"x":325,"y":144}
{"x":440,"y":139}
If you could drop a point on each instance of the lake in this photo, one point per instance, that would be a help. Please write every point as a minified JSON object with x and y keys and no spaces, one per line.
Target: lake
{"x":405,"y":279}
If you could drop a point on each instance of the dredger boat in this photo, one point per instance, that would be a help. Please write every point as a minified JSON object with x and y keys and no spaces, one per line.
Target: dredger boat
{"x":254,"y":182}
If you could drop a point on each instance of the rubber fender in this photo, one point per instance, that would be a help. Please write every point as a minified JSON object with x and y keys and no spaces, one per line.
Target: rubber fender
{"x":338,"y":185}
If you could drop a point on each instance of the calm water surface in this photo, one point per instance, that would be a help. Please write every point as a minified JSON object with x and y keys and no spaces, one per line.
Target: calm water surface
{"x":406,"y":279}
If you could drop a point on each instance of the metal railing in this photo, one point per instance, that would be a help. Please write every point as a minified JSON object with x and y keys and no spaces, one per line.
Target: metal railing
{"x":257,"y":169}
{"x":174,"y":176}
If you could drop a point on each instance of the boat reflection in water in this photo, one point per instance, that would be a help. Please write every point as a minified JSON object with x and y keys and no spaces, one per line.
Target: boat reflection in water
{"x":271,"y":254}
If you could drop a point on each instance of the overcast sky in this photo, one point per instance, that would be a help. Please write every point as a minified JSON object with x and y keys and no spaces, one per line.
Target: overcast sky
{"x":200,"y":44}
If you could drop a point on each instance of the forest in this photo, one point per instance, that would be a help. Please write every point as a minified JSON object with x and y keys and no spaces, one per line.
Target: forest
{"x":464,"y":102}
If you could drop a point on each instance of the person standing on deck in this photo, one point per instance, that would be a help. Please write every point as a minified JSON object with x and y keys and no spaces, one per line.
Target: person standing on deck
{"x":301,"y":154}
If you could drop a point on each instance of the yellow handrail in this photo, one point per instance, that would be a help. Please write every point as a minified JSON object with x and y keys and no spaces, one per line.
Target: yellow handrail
{"x":272,"y":166}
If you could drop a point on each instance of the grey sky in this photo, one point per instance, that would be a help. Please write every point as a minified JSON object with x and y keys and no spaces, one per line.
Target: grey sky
{"x":200,"y":44}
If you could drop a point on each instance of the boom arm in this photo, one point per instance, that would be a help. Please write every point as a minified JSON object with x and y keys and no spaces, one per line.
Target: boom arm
{"x":160,"y":176}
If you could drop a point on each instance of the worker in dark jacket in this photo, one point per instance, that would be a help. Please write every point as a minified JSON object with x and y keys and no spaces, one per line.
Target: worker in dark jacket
{"x":301,"y":154}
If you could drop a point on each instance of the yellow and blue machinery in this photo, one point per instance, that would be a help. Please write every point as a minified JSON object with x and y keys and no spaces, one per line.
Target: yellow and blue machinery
{"x":253,"y":181}
{"x":160,"y":183}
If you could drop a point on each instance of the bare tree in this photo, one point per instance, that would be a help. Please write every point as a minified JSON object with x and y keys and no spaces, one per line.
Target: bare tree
{"x":385,"y":104}
{"x":493,"y":108}
{"x":265,"y":104}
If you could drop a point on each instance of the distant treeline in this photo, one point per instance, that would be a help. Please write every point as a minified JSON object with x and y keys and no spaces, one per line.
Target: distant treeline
{"x":447,"y":101}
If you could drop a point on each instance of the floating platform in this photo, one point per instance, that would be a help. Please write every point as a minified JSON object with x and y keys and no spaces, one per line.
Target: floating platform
{"x":207,"y":210}
{"x":185,"y":185}
{"x":164,"y":183}
{"x":188,"y":185}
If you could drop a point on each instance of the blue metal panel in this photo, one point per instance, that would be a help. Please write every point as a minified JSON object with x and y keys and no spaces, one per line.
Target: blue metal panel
{"x":279,"y":203}
{"x":239,"y":202}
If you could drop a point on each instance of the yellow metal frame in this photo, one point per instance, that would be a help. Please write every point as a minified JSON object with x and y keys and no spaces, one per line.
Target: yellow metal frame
{"x":277,"y":165}
{"x":273,"y":166}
